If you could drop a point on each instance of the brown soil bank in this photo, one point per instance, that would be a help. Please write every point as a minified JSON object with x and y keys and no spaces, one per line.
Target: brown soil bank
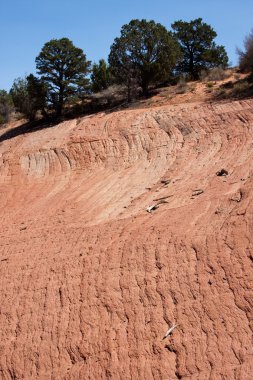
{"x":91,"y":281}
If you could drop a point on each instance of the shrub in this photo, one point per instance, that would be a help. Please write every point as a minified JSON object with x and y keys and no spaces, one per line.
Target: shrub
{"x":6,"y":107}
{"x":112,"y":96}
{"x":215,"y":74}
{"x":246,"y":56}
{"x":221,"y":93}
{"x":29,"y":96}
{"x":203,"y":75}
{"x":182,"y":86}
{"x":228,"y":85}
{"x":2,"y":121}
{"x":240,"y":88}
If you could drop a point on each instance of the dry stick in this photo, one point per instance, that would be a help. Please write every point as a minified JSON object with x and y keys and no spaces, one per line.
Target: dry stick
{"x":161,"y":202}
{"x":151,"y":208}
{"x":170,"y":331}
{"x":197,"y":192}
{"x":159,"y":199}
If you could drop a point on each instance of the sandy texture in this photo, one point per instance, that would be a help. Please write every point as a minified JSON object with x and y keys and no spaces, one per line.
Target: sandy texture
{"x":91,"y":282}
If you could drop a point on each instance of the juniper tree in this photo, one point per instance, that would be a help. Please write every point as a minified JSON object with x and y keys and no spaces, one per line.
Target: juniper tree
{"x":63,"y":67}
{"x":6,"y":106}
{"x":100,"y":77}
{"x":199,"y":50}
{"x":29,"y":95}
{"x":145,"y":53}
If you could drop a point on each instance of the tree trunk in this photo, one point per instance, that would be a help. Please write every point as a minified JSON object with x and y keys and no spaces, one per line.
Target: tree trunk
{"x":61,"y":92}
{"x":191,"y":66}
{"x":59,"y":109}
{"x":44,"y":113}
{"x":129,"y":94}
{"x":60,"y":104}
{"x":144,"y":87}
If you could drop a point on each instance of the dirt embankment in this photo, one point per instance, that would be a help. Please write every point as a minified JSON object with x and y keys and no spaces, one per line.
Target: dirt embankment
{"x":91,"y":281}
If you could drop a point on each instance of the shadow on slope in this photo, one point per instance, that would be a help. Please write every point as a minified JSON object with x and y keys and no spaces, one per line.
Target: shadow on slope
{"x":40,"y":124}
{"x":28,"y":128}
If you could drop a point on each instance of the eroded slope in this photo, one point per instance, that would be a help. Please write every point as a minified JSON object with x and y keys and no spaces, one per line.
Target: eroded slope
{"x":90,"y":280}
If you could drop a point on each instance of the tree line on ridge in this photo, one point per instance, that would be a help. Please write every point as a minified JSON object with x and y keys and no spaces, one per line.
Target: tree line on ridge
{"x":144,"y":56}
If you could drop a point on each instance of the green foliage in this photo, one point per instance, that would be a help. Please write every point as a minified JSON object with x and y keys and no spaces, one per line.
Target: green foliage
{"x":144,"y":54}
{"x":100,"y":76}
{"x":29,"y":95}
{"x":37,"y":91}
{"x":20,"y":96}
{"x":198,"y":47}
{"x":6,"y":107}
{"x":63,"y":68}
{"x":246,"y":56}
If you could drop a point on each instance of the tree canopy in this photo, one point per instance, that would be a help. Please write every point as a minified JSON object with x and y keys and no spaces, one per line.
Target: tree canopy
{"x":6,"y":106}
{"x":100,"y":76}
{"x":63,"y":67}
{"x":29,"y":95}
{"x":145,"y":53}
{"x":21,"y":99}
{"x":199,"y":50}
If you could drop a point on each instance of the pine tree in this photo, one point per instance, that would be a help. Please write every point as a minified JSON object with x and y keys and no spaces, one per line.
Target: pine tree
{"x":200,"y":52}
{"x":100,"y":76}
{"x":145,"y":53}
{"x":63,"y":67}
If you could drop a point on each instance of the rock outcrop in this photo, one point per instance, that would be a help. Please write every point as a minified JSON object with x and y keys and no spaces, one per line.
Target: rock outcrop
{"x":91,"y":282}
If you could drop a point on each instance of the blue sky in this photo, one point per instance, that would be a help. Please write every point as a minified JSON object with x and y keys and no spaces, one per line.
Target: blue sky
{"x":92,"y":25}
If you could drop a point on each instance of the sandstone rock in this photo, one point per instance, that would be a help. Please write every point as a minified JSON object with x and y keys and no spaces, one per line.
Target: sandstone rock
{"x":91,"y":297}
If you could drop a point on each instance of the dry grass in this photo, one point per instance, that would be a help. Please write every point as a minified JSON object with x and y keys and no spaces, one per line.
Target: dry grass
{"x":213,"y":75}
{"x":182,"y":86}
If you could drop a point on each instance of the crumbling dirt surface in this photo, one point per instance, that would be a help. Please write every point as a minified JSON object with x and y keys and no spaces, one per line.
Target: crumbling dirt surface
{"x":91,"y":281}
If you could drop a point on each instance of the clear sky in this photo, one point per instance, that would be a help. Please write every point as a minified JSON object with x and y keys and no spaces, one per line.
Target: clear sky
{"x":92,"y":25}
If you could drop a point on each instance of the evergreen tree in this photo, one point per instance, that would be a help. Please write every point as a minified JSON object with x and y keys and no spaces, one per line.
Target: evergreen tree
{"x":6,"y":106}
{"x":100,"y":76}
{"x":37,"y":92}
{"x":63,"y":67}
{"x":145,"y":53}
{"x":29,"y":95}
{"x":20,"y":96}
{"x":198,"y":47}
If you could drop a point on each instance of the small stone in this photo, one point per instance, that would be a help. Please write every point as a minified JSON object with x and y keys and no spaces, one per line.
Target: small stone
{"x":197,"y":192}
{"x":222,"y":173}
{"x":165,"y":181}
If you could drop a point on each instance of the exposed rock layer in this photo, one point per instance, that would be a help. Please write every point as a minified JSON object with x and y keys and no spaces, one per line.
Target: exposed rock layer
{"x":90,"y":281}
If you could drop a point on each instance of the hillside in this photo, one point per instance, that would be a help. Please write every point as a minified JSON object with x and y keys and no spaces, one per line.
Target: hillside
{"x":91,"y":281}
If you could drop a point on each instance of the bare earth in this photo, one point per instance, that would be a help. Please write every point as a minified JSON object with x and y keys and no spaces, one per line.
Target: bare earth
{"x":91,"y":282}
